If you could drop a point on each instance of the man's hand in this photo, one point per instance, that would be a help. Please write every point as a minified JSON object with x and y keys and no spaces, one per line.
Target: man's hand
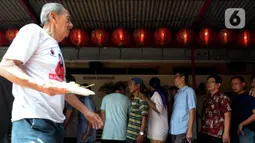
{"x":240,"y":130}
{"x":94,"y":119}
{"x":225,"y":138}
{"x":252,"y":92}
{"x":140,"y":139}
{"x":189,"y":136}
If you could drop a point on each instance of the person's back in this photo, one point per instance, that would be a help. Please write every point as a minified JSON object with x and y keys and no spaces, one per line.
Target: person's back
{"x":116,"y":107}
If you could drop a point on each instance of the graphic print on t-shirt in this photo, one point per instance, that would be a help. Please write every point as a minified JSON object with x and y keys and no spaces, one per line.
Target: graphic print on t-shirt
{"x":59,"y":70}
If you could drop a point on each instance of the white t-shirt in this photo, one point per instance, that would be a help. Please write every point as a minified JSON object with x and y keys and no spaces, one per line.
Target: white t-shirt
{"x":158,"y":122}
{"x":42,"y":60}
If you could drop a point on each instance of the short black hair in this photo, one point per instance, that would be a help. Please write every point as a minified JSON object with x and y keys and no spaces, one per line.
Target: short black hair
{"x":122,"y":85}
{"x":116,"y":86}
{"x":217,"y":78}
{"x":186,"y":76}
{"x":155,"y":82}
{"x":252,"y":78}
{"x":85,"y":84}
{"x":238,"y":77}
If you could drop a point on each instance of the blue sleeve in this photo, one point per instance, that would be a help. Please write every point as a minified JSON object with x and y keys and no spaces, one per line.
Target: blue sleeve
{"x":191,"y":99}
{"x":88,"y":102}
{"x":103,"y":106}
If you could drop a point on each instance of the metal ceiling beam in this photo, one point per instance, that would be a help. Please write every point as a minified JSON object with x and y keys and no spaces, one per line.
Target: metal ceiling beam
{"x":29,"y":11}
{"x":202,"y":12}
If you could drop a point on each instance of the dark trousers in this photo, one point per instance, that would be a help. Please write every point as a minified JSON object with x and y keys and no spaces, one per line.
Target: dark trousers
{"x":204,"y":138}
{"x":130,"y":141}
{"x":112,"y":141}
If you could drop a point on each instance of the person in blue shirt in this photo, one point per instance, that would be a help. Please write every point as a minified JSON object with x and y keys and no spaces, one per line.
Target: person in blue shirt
{"x":243,"y":113}
{"x":85,"y":133}
{"x":182,"y":123}
{"x":114,"y":112}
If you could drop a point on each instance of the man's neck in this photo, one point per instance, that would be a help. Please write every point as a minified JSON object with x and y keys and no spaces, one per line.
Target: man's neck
{"x":181,"y":86}
{"x":240,"y":92}
{"x":49,"y":28}
{"x":214,"y":91}
{"x":136,"y":93}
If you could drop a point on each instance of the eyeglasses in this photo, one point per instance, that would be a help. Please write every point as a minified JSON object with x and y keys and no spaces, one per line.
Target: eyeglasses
{"x":210,"y":82}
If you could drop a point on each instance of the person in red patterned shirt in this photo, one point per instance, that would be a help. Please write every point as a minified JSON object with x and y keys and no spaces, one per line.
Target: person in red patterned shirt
{"x":216,"y":114}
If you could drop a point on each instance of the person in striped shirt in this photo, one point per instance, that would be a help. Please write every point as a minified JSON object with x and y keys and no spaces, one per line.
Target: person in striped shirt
{"x":138,"y":112}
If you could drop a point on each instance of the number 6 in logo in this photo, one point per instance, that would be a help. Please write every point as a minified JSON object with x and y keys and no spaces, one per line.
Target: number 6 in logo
{"x":235,"y":18}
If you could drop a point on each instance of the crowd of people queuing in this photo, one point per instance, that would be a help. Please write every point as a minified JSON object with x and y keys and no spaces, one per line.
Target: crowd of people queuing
{"x":178,"y":114}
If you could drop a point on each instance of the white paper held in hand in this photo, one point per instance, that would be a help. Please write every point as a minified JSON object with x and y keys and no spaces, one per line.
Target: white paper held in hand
{"x":75,"y":88}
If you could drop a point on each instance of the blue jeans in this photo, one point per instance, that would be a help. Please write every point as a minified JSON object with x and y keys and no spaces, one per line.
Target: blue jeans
{"x":248,"y":136}
{"x":37,"y":131}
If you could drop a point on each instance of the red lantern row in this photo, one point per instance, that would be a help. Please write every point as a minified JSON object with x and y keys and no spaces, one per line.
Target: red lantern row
{"x":141,"y":36}
{"x":162,"y":36}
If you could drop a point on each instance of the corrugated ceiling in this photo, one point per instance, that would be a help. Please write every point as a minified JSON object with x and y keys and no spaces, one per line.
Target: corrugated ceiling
{"x":130,"y":14}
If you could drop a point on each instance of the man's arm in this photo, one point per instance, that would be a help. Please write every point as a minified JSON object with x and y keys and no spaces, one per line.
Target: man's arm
{"x":12,"y":71}
{"x":143,"y":107}
{"x":93,"y":118}
{"x":151,"y":104}
{"x":250,"y":119}
{"x":144,"y":123}
{"x":226,"y":109}
{"x":192,"y":116}
{"x":191,"y":103}
{"x":252,"y":92}
{"x":102,"y":115}
{"x":227,"y":121}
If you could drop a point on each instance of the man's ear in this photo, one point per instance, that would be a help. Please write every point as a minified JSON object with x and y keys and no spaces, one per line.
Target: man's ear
{"x":219,"y":84}
{"x":243,"y":84}
{"x":52,"y":17}
{"x":183,"y":78}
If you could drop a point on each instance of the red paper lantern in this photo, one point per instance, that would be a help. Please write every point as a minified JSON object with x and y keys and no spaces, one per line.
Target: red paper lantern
{"x":142,"y":36}
{"x":99,"y":37}
{"x":11,"y":34}
{"x":162,"y":36}
{"x":184,"y":36}
{"x":225,"y":36}
{"x":3,"y":39}
{"x":65,"y":41}
{"x":245,"y":38}
{"x":206,"y":36}
{"x":79,"y":37}
{"x":120,"y":37}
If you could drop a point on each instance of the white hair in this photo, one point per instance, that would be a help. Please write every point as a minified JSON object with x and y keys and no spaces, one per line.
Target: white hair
{"x":49,"y":7}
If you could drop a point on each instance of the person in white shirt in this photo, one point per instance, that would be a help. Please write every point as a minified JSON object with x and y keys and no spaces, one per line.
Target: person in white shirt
{"x":158,"y":112}
{"x":35,"y":65}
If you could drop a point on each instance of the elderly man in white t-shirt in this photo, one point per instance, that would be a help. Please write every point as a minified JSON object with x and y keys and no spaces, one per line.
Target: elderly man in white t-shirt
{"x":34,"y":63}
